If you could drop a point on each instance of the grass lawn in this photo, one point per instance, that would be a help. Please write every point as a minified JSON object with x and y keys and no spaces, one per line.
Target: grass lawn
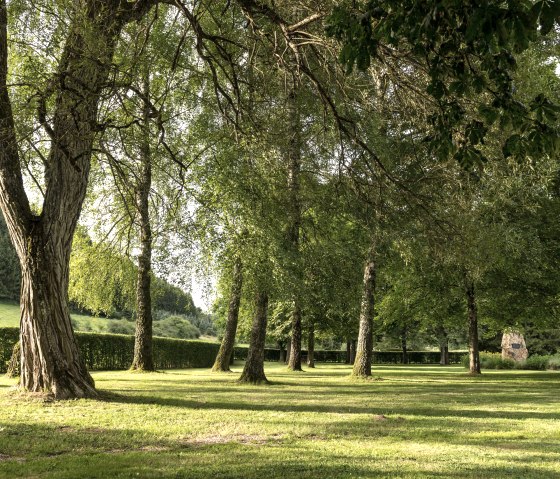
{"x":417,"y":421}
{"x":9,"y":314}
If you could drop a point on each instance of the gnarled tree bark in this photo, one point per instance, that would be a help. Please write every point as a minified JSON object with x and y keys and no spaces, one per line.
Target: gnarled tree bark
{"x":223,"y":359}
{"x":253,"y":372}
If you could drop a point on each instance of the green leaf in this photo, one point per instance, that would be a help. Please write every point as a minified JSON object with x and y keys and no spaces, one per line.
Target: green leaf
{"x":511,"y":145}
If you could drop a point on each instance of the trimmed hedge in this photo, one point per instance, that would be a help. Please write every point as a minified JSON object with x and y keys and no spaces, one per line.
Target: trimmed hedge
{"x":379,"y":357}
{"x":115,"y":351}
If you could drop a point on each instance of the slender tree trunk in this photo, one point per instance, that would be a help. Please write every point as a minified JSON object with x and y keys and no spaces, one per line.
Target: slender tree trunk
{"x":294,"y":361}
{"x":253,"y":372}
{"x":444,"y":355}
{"x":225,"y":353}
{"x":282,"y":356}
{"x":294,"y":171}
{"x":474,"y":355}
{"x":443,"y":340}
{"x":143,"y":350}
{"x":311,"y":346}
{"x":364,"y":352}
{"x":353,"y":347}
{"x":404,"y":358}
{"x":288,"y":351}
{"x":50,"y":360}
{"x":348,"y":353}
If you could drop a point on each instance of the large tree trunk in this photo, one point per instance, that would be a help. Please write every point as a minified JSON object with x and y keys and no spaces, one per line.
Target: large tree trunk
{"x":223,"y":359}
{"x":474,"y":355}
{"x":294,"y":171}
{"x":311,"y":346}
{"x":50,"y":360}
{"x":253,"y":372}
{"x":143,"y":350}
{"x":404,"y":358}
{"x":364,"y":352}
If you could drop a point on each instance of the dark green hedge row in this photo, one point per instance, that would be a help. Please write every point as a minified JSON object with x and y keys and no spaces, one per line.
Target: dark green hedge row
{"x":114,"y":351}
{"x":379,"y":357}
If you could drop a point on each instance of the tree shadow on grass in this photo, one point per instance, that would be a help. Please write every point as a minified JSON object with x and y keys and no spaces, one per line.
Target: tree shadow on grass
{"x":65,"y":452}
{"x":230,"y":404}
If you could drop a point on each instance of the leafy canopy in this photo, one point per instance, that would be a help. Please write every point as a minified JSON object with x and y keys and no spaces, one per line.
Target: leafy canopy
{"x":466,"y":50}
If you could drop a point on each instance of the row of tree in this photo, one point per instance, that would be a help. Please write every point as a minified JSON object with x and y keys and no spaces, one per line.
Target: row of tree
{"x":234,"y":130}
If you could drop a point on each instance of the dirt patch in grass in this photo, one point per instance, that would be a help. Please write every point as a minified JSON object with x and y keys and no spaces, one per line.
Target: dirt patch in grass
{"x":6,"y":457}
{"x":87,"y":430}
{"x":247,"y":439}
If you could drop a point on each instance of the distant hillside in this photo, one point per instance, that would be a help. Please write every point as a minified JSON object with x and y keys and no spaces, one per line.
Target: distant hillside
{"x":103,"y":293}
{"x":170,"y":326}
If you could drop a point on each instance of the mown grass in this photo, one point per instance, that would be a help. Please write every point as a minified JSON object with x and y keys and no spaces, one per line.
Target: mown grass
{"x":9,"y":314}
{"x":412,"y":422}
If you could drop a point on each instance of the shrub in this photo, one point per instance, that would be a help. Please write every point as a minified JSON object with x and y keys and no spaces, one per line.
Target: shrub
{"x":491,"y":361}
{"x":176,"y":327}
{"x":120,"y":326}
{"x":536,"y":362}
{"x":554,"y":362}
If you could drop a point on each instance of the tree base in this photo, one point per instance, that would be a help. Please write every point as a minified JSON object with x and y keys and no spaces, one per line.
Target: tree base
{"x":219,"y":369}
{"x":250,"y":379}
{"x":60,"y":393}
{"x":295,"y":370}
{"x":361,"y":377}
{"x":134,"y":369}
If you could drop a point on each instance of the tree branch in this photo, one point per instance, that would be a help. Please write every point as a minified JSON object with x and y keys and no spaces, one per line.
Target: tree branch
{"x":13,"y":199}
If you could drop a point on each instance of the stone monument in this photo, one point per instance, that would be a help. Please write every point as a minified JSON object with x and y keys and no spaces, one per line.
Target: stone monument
{"x":513,"y":346}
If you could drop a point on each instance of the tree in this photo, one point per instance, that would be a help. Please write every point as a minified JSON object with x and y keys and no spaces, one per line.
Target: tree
{"x":50,"y":360}
{"x":223,"y":359}
{"x":253,"y":372}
